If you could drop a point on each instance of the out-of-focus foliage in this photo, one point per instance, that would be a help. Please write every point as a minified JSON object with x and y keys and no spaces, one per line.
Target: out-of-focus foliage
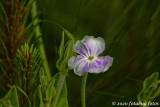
{"x":131,"y":31}
{"x":150,"y":89}
{"x":11,"y":99}
{"x":27,"y":64}
{"x":45,"y":92}
{"x":14,"y":31}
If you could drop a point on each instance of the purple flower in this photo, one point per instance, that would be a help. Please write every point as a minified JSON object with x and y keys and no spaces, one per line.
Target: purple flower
{"x":88,"y":61}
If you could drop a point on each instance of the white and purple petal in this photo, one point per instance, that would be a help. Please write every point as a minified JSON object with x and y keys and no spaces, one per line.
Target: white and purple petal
{"x":79,"y":64}
{"x":109,"y":62}
{"x":80,"y":48}
{"x":95,"y":46}
{"x":81,"y":68}
{"x":75,"y":60}
{"x":100,"y":64}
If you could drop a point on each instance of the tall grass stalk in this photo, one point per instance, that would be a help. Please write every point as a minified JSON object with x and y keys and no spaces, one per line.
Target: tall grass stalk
{"x":42,"y":48}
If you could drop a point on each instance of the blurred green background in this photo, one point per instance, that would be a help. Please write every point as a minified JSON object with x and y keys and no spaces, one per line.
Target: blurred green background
{"x":131,"y":29}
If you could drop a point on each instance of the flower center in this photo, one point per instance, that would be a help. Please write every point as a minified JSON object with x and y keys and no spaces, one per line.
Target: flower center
{"x":90,"y":58}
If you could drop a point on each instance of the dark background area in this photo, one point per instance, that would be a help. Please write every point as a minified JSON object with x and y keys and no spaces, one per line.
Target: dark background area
{"x":131,"y":29}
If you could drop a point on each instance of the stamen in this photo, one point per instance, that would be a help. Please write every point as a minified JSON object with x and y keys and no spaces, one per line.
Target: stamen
{"x":90,"y":58}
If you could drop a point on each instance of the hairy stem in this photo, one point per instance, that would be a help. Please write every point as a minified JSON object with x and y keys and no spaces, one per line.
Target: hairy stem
{"x":38,"y":34}
{"x":83,"y":86}
{"x":59,"y":87}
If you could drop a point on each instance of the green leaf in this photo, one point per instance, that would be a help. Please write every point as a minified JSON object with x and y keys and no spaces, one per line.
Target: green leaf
{"x":151,"y":81}
{"x":62,"y":63}
{"x":27,"y":63}
{"x":70,"y":36}
{"x":47,"y":89}
{"x":3,"y":46}
{"x":61,"y":50}
{"x":51,"y":91}
{"x":38,"y":99}
{"x":29,"y":6}
{"x":68,"y":53}
{"x":25,"y":95}
{"x":5,"y":14}
{"x":11,"y":98}
{"x":43,"y":78}
{"x":150,"y":89}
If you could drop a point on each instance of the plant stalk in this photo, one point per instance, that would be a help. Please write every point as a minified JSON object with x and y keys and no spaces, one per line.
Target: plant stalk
{"x":59,"y":87}
{"x":46,"y":104}
{"x":83,"y":86}
{"x":38,"y":34}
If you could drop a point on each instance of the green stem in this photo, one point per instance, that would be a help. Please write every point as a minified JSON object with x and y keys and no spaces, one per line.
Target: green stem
{"x":83,"y":86}
{"x":46,"y":104}
{"x":59,"y":87}
{"x":38,"y":34}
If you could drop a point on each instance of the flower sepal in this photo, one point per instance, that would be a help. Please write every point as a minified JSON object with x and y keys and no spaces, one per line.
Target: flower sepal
{"x":65,"y":53}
